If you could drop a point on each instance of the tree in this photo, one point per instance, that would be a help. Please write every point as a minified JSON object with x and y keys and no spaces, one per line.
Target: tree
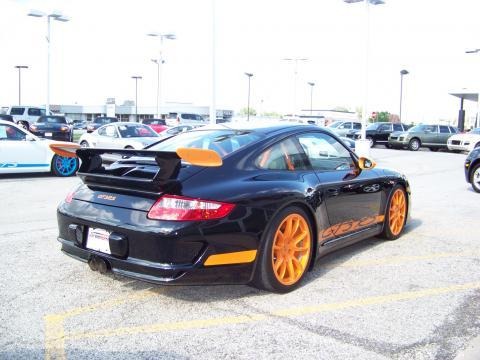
{"x":245,"y":111}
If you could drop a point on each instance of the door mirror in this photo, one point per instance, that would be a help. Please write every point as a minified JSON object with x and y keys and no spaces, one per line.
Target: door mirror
{"x":366,"y":163}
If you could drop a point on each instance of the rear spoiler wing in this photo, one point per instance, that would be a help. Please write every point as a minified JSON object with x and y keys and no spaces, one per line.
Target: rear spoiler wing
{"x":144,"y":171}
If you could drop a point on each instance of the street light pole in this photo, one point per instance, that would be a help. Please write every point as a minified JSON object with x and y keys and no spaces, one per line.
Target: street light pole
{"x":248,"y":101}
{"x":160,"y":61}
{"x":20,"y":67}
{"x":312,"y":84}
{"x":402,"y":73}
{"x":295,"y":61}
{"x":59,"y":17}
{"x":477,"y":120}
{"x":136,"y":95}
{"x":363,"y":146}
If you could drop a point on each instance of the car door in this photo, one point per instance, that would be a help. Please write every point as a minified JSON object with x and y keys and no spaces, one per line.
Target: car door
{"x":108,"y":137}
{"x":352,"y":197}
{"x":19,"y":153}
{"x":384,"y":131}
{"x":443,"y":135}
{"x":430,"y":135}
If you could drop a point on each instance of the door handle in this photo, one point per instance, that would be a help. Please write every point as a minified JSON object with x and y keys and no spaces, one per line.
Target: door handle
{"x":333,"y":191}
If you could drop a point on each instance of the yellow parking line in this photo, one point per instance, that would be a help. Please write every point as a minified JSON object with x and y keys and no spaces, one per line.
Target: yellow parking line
{"x":54,"y":323}
{"x":243,"y":319}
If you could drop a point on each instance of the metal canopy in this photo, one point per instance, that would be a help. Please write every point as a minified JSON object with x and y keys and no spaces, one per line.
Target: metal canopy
{"x":467,"y":95}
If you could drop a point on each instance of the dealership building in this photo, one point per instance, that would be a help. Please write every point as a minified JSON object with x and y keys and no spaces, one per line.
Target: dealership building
{"x":127,"y":111}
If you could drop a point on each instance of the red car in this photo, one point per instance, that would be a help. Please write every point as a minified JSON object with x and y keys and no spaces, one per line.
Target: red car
{"x":158,"y":125}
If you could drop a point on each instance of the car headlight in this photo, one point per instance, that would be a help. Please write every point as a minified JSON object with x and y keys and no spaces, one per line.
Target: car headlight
{"x":64,"y":128}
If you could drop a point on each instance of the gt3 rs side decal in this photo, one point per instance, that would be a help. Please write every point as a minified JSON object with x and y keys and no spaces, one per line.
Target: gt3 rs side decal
{"x":350,"y":226}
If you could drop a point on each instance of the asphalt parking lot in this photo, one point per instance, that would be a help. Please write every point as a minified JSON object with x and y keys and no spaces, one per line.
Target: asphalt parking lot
{"x":414,"y":298}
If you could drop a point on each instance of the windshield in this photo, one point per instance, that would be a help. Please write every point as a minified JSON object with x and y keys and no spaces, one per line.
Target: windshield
{"x":104,"y":120}
{"x":475,"y":131}
{"x":136,"y":130}
{"x":372,"y":126}
{"x":222,"y":141}
{"x":52,"y":120}
{"x":335,"y":124}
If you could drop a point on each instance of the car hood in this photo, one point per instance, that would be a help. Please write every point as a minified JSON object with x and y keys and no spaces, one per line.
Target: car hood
{"x":465,"y":137}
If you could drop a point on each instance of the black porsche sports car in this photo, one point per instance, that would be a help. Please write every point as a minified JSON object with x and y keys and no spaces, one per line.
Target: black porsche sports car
{"x":228,"y":203}
{"x":53,"y":127}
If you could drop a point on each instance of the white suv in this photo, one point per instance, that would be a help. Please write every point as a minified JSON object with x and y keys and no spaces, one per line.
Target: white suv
{"x":175,"y":119}
{"x":25,"y":115}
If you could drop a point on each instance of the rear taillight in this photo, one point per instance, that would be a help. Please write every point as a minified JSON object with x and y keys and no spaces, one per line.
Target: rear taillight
{"x":170,"y":207}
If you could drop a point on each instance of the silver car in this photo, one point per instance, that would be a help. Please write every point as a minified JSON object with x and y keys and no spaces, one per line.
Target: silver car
{"x":342,"y":128}
{"x":121,"y":135}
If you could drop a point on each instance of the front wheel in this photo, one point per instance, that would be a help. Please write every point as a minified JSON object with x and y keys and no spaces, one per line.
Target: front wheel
{"x":286,"y":251}
{"x":475,"y":178}
{"x":84,"y":144}
{"x":63,"y":166}
{"x":414,"y":144}
{"x":395,"y":214}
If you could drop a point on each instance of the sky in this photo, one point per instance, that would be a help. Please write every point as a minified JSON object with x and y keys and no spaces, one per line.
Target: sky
{"x":94,"y":55}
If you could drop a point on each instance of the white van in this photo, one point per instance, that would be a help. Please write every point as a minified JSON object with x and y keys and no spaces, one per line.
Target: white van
{"x":175,"y":119}
{"x":26,"y":115}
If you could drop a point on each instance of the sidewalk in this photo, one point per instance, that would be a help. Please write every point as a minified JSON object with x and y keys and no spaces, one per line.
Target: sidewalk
{"x":471,"y":352}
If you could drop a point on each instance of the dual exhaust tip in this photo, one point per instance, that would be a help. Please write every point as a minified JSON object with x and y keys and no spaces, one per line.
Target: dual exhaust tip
{"x":99,"y":264}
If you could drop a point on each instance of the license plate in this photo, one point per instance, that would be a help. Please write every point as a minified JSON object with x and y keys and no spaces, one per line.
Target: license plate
{"x":98,"y":240}
{"x":48,"y":134}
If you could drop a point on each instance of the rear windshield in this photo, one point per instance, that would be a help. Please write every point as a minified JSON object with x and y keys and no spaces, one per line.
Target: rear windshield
{"x":223,"y":142}
{"x":136,"y":130}
{"x":104,"y":120}
{"x":52,"y":120}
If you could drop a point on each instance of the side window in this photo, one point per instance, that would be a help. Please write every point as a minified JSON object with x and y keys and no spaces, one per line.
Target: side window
{"x":430,"y":128}
{"x":110,"y":131}
{"x":285,"y":155}
{"x":453,"y":130}
{"x":102,"y":131}
{"x":325,"y":152}
{"x":357,"y":126}
{"x":34,"y":112}
{"x":397,"y":127}
{"x":17,"y":111}
{"x":444,"y":129}
{"x":8,"y":132}
{"x":384,"y":127}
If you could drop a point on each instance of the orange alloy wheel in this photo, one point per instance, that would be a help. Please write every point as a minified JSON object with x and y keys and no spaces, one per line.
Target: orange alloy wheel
{"x":291,"y":249}
{"x":397,"y":212}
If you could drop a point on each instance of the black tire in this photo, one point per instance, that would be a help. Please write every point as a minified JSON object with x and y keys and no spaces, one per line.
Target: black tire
{"x":372,"y":141}
{"x":414,"y":144}
{"x":264,"y":277}
{"x":388,"y":146}
{"x":388,"y":233}
{"x":128,"y":147}
{"x":434,"y":149}
{"x":84,"y":144}
{"x":475,"y":178}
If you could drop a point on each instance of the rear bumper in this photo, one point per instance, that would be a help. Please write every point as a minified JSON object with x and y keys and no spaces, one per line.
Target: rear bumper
{"x":156,"y":252}
{"x":56,"y":135}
